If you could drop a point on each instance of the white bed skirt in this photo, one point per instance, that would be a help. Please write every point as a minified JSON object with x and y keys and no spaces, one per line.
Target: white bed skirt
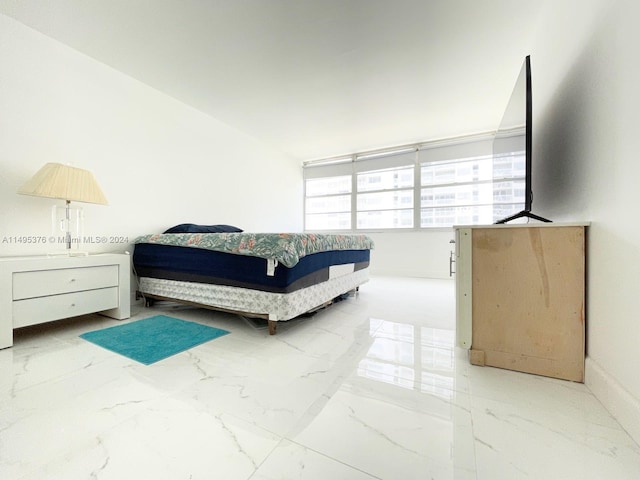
{"x":275,"y":306}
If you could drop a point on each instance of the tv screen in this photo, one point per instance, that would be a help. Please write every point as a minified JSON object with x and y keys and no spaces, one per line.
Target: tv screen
{"x":512,"y":154}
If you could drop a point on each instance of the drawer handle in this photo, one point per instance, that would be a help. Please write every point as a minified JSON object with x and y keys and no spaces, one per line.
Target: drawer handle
{"x":72,"y":280}
{"x":72,"y":305}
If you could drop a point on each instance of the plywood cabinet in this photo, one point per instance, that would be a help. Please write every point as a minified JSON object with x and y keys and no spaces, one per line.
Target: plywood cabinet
{"x":520,"y":297}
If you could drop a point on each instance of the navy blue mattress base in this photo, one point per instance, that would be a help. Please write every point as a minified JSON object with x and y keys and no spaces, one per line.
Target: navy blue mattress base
{"x":191,"y":264}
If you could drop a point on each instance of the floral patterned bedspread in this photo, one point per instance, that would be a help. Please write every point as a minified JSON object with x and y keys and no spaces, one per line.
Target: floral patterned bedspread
{"x":286,"y":248}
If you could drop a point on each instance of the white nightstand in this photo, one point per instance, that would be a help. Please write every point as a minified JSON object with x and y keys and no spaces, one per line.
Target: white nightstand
{"x":39,"y":289}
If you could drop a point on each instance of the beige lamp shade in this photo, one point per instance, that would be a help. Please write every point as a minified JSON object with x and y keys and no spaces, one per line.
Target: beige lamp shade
{"x":65,"y":182}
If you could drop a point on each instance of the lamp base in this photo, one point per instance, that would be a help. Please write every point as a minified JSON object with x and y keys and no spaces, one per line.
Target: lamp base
{"x":67,"y":228}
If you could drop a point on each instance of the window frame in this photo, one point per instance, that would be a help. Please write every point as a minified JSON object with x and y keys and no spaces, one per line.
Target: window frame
{"x":453,"y":150}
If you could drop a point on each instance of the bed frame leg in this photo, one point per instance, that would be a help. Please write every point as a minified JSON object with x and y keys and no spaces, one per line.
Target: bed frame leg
{"x":272,"y":327}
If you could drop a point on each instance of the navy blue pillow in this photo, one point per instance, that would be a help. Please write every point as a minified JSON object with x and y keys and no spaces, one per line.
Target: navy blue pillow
{"x":193,"y":228}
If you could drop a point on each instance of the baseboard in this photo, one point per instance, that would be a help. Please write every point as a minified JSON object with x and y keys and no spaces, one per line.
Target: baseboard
{"x":615,"y":398}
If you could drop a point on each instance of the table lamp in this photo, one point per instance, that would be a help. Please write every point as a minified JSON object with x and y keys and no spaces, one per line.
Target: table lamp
{"x":67,"y":183}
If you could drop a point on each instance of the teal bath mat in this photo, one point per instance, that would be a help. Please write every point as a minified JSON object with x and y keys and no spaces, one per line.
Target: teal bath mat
{"x":152,"y":339}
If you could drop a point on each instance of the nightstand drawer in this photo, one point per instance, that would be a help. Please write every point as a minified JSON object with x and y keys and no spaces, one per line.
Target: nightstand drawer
{"x":40,"y":283}
{"x":44,"y":309}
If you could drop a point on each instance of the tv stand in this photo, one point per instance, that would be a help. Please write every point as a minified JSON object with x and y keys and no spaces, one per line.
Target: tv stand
{"x":523,"y":213}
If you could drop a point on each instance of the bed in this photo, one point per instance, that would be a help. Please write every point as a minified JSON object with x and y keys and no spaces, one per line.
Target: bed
{"x":270,"y":276}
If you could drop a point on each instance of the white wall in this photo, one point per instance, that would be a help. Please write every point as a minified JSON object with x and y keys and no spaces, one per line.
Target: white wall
{"x":158,"y":161}
{"x":586,"y":72}
{"x":423,"y":254}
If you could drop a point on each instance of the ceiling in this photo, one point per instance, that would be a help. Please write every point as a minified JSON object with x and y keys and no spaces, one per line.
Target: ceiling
{"x":313,"y":78}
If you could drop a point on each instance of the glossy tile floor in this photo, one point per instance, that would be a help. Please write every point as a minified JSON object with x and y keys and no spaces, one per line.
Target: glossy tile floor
{"x":371,"y":388}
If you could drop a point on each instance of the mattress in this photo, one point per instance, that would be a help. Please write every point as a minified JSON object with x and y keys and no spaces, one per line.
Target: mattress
{"x":205,"y":266}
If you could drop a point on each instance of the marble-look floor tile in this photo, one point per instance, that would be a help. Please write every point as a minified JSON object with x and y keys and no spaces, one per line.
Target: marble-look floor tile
{"x":290,"y":461}
{"x":388,"y":440}
{"x":515,"y":442}
{"x":371,"y":388}
{"x":402,"y":400}
{"x":273,"y":391}
{"x":167,"y":441}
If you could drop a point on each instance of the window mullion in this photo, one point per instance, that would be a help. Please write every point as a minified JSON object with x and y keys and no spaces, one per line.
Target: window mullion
{"x":354,"y":194}
{"x":417,"y":192}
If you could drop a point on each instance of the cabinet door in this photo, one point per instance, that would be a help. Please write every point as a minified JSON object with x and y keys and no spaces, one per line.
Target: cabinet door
{"x":528,"y":299}
{"x":464,"y":292}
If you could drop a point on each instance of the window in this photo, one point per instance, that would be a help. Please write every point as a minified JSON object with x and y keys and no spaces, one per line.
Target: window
{"x":430,"y":185}
{"x":385,"y":198}
{"x":456,"y":191}
{"x":328,"y":203}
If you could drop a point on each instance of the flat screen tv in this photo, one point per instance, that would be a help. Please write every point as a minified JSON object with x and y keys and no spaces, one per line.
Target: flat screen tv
{"x":512,"y":152}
